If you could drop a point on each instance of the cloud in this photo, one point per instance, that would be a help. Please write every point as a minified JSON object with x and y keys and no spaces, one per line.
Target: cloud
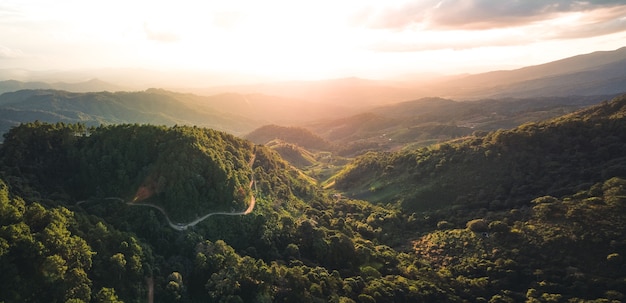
{"x":473,"y":23}
{"x":456,"y":40}
{"x":473,"y":14}
{"x":596,"y":23}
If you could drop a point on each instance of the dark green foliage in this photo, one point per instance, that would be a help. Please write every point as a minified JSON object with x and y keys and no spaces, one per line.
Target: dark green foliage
{"x":39,"y":256}
{"x":185,"y":170}
{"x":570,"y":252}
{"x":565,"y":242}
{"x":478,"y":225}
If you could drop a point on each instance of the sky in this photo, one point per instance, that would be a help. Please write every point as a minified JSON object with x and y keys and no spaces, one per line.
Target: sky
{"x":305,"y":40}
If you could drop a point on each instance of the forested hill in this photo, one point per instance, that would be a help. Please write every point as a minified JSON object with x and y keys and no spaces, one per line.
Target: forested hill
{"x":186,"y":170}
{"x":501,"y":169}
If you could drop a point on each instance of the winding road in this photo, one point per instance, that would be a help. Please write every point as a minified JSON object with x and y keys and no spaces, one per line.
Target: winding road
{"x":184,"y":226}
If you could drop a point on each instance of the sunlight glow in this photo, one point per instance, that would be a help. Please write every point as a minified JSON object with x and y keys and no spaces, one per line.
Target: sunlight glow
{"x":293,"y":40}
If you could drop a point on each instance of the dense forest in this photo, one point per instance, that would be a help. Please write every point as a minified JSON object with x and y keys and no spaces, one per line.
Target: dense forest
{"x":531,"y":214}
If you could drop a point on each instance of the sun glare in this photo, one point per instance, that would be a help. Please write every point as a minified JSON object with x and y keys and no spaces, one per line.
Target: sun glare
{"x":284,"y":40}
{"x":268,"y":41}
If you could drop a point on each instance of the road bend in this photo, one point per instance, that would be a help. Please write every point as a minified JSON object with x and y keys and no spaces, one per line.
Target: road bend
{"x":184,"y":226}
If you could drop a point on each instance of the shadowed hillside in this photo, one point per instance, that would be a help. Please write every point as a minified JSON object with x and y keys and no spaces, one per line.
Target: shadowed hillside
{"x":418,"y":123}
{"x":153,"y":106}
{"x":500,"y":169}
{"x":187,"y":171}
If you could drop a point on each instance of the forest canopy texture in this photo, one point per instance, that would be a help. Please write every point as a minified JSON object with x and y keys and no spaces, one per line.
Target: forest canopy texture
{"x":532,"y":214}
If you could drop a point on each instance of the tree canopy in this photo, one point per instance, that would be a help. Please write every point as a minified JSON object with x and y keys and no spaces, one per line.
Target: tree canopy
{"x":534,"y":214}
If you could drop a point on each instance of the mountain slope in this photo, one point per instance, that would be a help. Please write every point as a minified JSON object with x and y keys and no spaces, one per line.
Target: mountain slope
{"x":425,"y":121}
{"x":503,"y":168}
{"x":292,"y":153}
{"x":588,"y":74}
{"x":186,"y":171}
{"x":296,"y":135}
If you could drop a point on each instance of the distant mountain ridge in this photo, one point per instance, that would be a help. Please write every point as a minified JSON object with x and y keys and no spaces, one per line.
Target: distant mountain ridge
{"x":149,"y":107}
{"x":595,"y":73}
{"x":372,"y":113}
{"x":93,"y":85}
{"x":601,"y":72}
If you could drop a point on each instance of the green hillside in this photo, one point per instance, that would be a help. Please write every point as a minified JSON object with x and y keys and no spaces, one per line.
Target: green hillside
{"x":422,"y":122}
{"x":294,"y":154}
{"x":295,"y":135}
{"x":500,"y":169}
{"x":187,"y":171}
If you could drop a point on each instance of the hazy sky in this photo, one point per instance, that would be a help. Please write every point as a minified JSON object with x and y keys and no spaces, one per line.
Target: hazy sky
{"x":291,"y":39}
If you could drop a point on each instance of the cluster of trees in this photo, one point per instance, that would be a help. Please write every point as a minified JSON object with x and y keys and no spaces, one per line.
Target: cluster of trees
{"x":566,"y":248}
{"x":302,"y":243}
{"x":47,"y":254}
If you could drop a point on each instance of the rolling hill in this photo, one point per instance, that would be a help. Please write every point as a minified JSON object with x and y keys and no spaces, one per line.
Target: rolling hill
{"x":296,"y":135}
{"x":425,"y":121}
{"x":583,"y":75}
{"x":153,"y":106}
{"x":364,"y":113}
{"x":500,"y":169}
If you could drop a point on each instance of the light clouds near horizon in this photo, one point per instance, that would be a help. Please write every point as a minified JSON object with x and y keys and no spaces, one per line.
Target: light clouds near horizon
{"x":305,"y":39}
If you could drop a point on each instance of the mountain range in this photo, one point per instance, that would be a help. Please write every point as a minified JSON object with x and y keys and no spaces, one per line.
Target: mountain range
{"x":586,"y":74}
{"x":335,"y":109}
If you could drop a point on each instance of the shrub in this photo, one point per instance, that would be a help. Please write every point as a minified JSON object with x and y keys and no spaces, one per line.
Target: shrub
{"x":498,"y":226}
{"x":478,"y":225}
